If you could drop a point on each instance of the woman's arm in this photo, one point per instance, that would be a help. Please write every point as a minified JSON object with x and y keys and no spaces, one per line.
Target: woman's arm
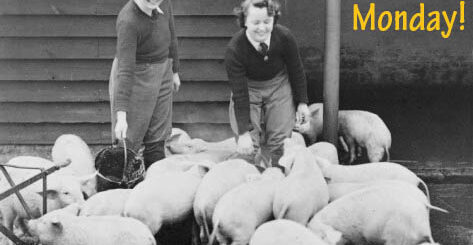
{"x":173,"y":47}
{"x":126,"y":57}
{"x":239,"y":85}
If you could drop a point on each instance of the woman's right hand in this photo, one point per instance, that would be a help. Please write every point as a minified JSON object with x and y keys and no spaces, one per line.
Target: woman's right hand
{"x":121,"y":126}
{"x":245,"y":144}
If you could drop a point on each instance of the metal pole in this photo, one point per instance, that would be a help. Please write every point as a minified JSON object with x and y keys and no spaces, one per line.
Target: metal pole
{"x":331,"y":70}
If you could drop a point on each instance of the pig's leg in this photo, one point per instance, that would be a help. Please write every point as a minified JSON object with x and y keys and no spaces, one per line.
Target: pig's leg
{"x":375,"y":153}
{"x":351,"y":148}
{"x":8,"y":217}
{"x":23,"y":226}
{"x":197,"y":233}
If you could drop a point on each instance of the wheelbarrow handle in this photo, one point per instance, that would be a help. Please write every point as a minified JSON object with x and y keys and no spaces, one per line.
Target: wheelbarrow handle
{"x":63,"y":164}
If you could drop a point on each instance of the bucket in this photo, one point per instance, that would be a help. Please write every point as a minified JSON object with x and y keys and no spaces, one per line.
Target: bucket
{"x":118,"y":167}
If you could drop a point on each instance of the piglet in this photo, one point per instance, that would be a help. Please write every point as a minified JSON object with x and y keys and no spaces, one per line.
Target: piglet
{"x":304,"y":191}
{"x":110,"y":202}
{"x":220,"y":179}
{"x":61,"y":227}
{"x":72,"y":147}
{"x":357,"y":130}
{"x":284,"y":232}
{"x":382,"y":214}
{"x":164,"y":199}
{"x":325,"y":150}
{"x":368,"y":172}
{"x":241,"y":210}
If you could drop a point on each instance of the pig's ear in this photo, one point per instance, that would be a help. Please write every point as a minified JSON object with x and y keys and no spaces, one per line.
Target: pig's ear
{"x":56,"y":224}
{"x":50,"y":194}
{"x":83,"y":180}
{"x":315,"y":111}
{"x":333,"y":236}
{"x":73,"y":209}
{"x":173,"y":138}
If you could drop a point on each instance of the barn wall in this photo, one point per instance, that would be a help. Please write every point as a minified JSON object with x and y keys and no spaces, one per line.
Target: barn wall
{"x":419,"y":83}
{"x":55,"y":59}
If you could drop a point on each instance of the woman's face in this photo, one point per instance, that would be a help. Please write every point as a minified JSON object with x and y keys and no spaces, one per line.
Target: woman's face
{"x":259,"y":25}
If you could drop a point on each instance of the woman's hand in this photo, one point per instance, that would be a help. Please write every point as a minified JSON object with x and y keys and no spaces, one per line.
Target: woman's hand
{"x":176,"y":82}
{"x":121,"y":126}
{"x":302,"y":114}
{"x":245,"y":144}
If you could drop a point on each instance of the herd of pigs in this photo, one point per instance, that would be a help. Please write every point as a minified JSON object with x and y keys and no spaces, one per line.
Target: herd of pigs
{"x":311,"y":200}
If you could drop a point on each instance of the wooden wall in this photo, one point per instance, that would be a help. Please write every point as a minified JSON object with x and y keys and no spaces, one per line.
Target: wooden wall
{"x":55,"y":58}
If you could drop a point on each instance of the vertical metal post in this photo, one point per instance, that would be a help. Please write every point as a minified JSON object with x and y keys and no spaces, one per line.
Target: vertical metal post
{"x":331,"y":70}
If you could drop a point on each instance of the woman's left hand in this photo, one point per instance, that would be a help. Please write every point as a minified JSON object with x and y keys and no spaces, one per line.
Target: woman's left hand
{"x":302,"y":114}
{"x":176,"y":82}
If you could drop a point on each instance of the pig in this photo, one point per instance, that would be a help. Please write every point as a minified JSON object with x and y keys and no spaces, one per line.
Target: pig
{"x":357,"y":129}
{"x":219,"y":180}
{"x":241,"y":210}
{"x":70,"y":146}
{"x":196,"y":145}
{"x":338,"y":190}
{"x":304,"y":191}
{"x":110,"y":202}
{"x":178,"y":137}
{"x":166,"y":199}
{"x":325,"y":150}
{"x":383,"y":214}
{"x":284,"y":232}
{"x":369,"y":172}
{"x":178,"y":163}
{"x":297,"y":138}
{"x":11,"y":208}
{"x":60,"y":227}
{"x":71,"y":183}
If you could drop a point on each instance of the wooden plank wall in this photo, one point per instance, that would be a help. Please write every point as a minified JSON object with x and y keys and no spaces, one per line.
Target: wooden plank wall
{"x":55,"y":58}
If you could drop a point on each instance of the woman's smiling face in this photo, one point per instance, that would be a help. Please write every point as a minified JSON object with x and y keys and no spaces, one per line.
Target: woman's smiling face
{"x":258,"y":23}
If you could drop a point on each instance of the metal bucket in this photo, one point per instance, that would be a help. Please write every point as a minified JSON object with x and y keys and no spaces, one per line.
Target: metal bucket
{"x":118,"y":167}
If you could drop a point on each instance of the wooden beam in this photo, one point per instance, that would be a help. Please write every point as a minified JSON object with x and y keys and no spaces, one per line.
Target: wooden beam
{"x":104,"y":26}
{"x":99,"y":48}
{"x":97,"y":91}
{"x":99,"y":112}
{"x":108,"y":7}
{"x":46,"y":133}
{"x":98,"y":70}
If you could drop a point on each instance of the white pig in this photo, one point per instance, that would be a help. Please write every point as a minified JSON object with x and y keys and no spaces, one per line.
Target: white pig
{"x":11,"y":208}
{"x":70,"y":146}
{"x":179,"y":146}
{"x":369,"y":172}
{"x":241,"y":210}
{"x":338,"y":190}
{"x":177,"y":163}
{"x":70,"y":183}
{"x":166,"y":199}
{"x":219,"y":180}
{"x":109,"y":202}
{"x":284,"y":232}
{"x":60,"y":228}
{"x":376,"y":215}
{"x":356,"y":129}
{"x":178,"y":136}
{"x":304,"y":191}
{"x":325,"y":150}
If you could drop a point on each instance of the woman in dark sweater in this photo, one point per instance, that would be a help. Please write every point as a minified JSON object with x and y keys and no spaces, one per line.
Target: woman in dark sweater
{"x":144,"y":75}
{"x":267,"y":80}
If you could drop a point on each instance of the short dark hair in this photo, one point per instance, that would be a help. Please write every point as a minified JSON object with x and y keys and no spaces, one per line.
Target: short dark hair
{"x":271,"y":5}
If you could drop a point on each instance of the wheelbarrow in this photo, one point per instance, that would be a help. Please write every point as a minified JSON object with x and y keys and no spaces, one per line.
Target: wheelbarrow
{"x":15,"y":189}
